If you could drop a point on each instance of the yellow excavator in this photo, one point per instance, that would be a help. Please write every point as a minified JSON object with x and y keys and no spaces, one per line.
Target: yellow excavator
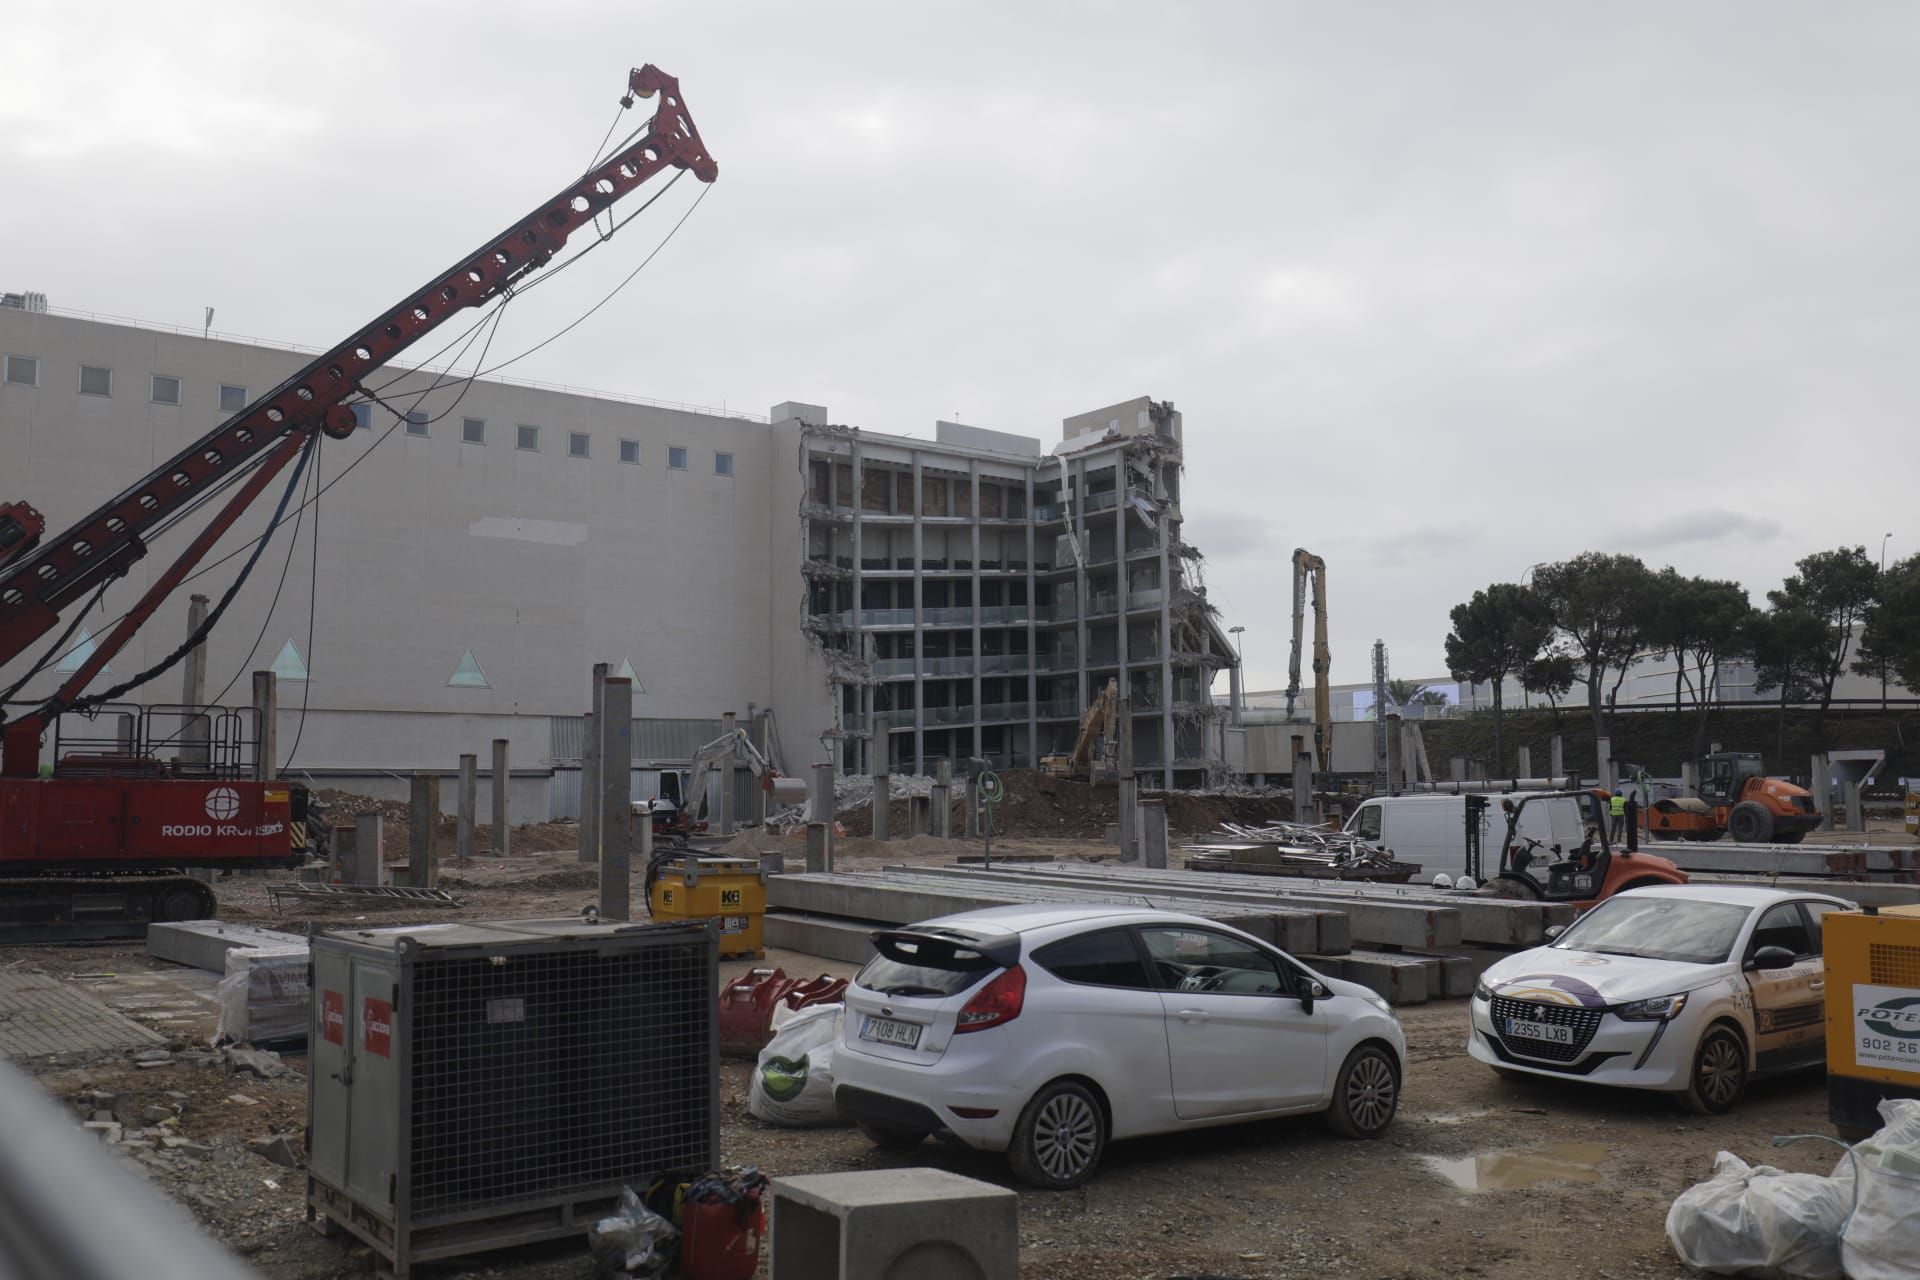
{"x":1099,"y":723}
{"x":1308,"y":567}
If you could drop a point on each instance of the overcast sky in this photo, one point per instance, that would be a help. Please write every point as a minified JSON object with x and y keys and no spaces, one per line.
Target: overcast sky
{"x":1443,"y":291}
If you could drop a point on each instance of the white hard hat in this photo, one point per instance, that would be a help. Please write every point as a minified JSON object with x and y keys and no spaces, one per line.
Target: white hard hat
{"x":1443,"y":881}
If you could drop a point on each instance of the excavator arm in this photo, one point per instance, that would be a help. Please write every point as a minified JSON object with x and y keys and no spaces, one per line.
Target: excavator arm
{"x":42,"y":576}
{"x":1311,"y":570}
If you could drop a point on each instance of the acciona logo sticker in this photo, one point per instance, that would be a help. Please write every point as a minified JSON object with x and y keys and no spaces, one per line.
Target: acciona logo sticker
{"x":334,"y":1017}
{"x":1886,"y":1026}
{"x":223,"y":804}
{"x":376,"y":1027}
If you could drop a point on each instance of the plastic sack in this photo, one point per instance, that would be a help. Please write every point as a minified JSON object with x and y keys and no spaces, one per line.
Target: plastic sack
{"x":1760,"y":1222}
{"x":1882,"y":1241}
{"x":634,"y":1240}
{"x":264,"y":997}
{"x":793,"y":1078}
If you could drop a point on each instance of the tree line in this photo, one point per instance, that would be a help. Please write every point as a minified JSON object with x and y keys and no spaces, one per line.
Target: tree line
{"x":1585,"y":621}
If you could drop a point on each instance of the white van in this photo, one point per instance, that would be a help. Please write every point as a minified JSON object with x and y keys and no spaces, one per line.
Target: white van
{"x":1432,"y":829}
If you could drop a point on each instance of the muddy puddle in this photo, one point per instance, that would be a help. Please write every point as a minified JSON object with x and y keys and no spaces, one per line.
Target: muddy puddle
{"x":1517,"y":1170}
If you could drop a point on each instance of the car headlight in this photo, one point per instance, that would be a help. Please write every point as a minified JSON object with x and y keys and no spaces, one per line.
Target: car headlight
{"x":1658,"y":1009}
{"x":1481,"y":991}
{"x":1379,"y":1002}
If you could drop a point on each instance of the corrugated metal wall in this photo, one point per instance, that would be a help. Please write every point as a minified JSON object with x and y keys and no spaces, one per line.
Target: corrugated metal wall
{"x":655,"y":741}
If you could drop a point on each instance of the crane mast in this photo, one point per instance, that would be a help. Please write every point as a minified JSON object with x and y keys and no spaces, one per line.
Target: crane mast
{"x":126,"y":809}
{"x":39,"y":577}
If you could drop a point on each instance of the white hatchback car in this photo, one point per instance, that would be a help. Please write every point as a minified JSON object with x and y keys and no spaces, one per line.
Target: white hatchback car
{"x":1686,"y":989}
{"x":1046,"y":1031}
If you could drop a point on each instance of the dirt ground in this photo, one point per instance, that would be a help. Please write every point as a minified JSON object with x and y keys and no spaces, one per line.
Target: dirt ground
{"x":1281,"y":1199}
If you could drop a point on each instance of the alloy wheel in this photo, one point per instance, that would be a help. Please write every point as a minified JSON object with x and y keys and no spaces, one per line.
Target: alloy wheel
{"x":1720,"y":1070}
{"x":1370,"y":1092}
{"x":1065,"y":1135}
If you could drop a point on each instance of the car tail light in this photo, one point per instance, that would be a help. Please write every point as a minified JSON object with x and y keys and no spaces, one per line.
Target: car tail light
{"x":996,"y":1003}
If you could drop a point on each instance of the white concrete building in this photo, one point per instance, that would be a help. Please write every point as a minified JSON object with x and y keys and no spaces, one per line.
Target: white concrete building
{"x":486,"y":551}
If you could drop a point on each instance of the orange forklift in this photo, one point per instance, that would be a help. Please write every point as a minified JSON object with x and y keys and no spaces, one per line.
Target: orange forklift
{"x":1583,"y":875}
{"x":1737,"y":799}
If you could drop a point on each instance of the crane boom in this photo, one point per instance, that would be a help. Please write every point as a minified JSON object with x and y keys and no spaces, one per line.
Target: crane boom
{"x":41,"y":577}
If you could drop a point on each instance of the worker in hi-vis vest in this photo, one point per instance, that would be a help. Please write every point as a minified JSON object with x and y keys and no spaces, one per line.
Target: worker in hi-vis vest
{"x":1619,"y":811}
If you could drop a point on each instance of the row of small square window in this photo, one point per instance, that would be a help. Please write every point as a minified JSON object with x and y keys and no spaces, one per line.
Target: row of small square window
{"x":94,"y":381}
{"x":527,"y":439}
{"x":24,"y":371}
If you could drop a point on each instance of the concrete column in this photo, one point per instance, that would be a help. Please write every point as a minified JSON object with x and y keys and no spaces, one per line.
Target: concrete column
{"x":821,"y":794}
{"x":819,"y":846}
{"x":1524,"y":763}
{"x":1856,"y":814}
{"x":266,"y":701}
{"x":1556,"y":758}
{"x":369,"y":851}
{"x":1457,"y":769}
{"x":616,"y":798}
{"x":1603,"y":754}
{"x":943,"y":799}
{"x":1690,"y":779}
{"x":882,"y":787}
{"x":916,"y":816}
{"x":1153,"y":834}
{"x":1396,"y":758}
{"x":1129,"y":788}
{"x":590,"y":766}
{"x":193,"y":690}
{"x":757,"y":796}
{"x":1820,"y":783}
{"x":469,"y":806}
{"x":970,"y":810}
{"x":1304,"y":808}
{"x":502,"y":783}
{"x":423,"y":813}
{"x":729,"y":727}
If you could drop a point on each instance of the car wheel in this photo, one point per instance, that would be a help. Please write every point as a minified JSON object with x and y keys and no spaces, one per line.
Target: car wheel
{"x":1060,"y":1137}
{"x":893,"y":1139}
{"x":1366,"y":1094}
{"x":1719,"y":1073}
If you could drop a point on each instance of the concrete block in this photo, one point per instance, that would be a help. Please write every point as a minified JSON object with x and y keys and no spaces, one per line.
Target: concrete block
{"x":849,"y":941}
{"x":204,"y":944}
{"x":893,"y":1224}
{"x":1399,"y":979}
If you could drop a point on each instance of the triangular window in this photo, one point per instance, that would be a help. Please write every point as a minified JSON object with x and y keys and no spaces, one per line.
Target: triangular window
{"x":468,"y":674}
{"x":626,"y":673}
{"x":289,"y":665}
{"x":77,"y":655}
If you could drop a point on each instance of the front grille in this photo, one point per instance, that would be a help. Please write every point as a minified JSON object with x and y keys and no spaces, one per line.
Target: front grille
{"x":1583,"y":1021}
{"x":559,"y":1072}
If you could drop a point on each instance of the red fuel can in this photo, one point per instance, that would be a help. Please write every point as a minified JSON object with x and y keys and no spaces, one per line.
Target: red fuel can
{"x":721,"y":1241}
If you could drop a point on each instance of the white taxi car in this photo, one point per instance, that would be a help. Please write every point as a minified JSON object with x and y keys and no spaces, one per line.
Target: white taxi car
{"x":1685,"y":989}
{"x":1045,"y":1031}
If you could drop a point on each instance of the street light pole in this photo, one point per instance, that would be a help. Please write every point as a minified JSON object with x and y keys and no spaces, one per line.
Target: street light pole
{"x":1879,"y":586}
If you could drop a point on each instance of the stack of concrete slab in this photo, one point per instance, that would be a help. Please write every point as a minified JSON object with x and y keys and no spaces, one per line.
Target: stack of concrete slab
{"x":1898,"y":864}
{"x":264,"y":998}
{"x":1416,"y":944}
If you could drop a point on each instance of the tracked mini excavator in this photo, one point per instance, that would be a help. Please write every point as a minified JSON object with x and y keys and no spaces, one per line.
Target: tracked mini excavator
{"x":136,"y":795}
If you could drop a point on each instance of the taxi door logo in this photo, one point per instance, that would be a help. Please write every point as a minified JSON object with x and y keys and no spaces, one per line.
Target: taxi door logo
{"x":376,"y":1027}
{"x":333,"y":1017}
{"x":729,"y":898}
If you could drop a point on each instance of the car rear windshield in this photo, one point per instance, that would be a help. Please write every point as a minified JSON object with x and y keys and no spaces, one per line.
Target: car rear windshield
{"x":1658,"y":928}
{"x":924,"y":964}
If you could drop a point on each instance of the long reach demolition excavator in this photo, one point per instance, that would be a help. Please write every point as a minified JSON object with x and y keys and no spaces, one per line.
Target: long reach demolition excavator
{"x":97,"y":847}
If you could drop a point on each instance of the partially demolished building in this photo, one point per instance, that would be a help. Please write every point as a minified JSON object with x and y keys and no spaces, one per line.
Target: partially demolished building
{"x":507,"y":536}
{"x":969,"y":595}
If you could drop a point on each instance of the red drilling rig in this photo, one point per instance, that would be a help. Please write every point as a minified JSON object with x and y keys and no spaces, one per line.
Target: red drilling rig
{"x":97,"y":847}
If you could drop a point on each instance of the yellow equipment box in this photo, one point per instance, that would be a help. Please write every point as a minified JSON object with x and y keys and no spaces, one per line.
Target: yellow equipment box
{"x":730,"y":891}
{"x":1873,"y":1013}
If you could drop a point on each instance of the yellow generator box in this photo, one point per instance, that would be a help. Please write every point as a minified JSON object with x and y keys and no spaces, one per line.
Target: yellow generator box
{"x":731,"y":891}
{"x":1873,"y":1012}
